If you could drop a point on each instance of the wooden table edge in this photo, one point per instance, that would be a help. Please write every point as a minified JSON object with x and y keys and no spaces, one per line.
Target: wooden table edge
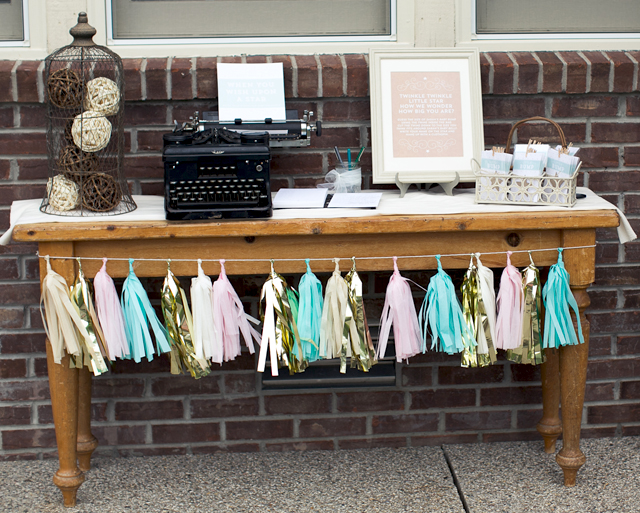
{"x":112,"y":229}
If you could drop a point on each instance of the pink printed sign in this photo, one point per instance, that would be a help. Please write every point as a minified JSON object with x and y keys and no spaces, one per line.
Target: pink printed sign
{"x":426,"y":114}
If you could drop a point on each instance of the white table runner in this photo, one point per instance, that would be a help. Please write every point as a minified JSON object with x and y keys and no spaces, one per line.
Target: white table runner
{"x":151,"y":208}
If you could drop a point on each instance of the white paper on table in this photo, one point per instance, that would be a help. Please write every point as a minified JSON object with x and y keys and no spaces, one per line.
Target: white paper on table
{"x":300,"y":198}
{"x":355,"y":200}
{"x":251,"y":92}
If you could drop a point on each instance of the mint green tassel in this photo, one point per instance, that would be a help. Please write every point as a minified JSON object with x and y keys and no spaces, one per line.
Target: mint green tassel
{"x":138,"y":312}
{"x":557,"y":296}
{"x":310,"y":314}
{"x":442,"y":312}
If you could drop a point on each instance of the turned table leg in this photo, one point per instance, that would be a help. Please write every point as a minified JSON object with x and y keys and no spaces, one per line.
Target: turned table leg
{"x":573,"y":377}
{"x":549,"y":426}
{"x":63,"y":383}
{"x":580,"y":264}
{"x":87,"y":443}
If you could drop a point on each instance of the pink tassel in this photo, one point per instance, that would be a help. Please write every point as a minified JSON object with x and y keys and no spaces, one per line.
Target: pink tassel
{"x":399,"y":310}
{"x":510,"y":308}
{"x":230,"y":318}
{"x":110,"y":314}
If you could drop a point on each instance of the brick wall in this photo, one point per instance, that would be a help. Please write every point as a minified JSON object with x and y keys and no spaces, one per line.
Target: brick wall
{"x":141,"y":409}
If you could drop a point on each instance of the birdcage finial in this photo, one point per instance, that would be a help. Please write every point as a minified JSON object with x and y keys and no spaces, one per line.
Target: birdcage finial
{"x":83,"y":32}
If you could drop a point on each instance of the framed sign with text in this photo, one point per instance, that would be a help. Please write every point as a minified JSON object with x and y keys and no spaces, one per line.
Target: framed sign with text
{"x":426,"y":114}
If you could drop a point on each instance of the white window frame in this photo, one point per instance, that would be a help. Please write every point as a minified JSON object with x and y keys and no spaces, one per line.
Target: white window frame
{"x":402,"y":35}
{"x":34,"y":44}
{"x":466,"y":36}
{"x":25,"y":42}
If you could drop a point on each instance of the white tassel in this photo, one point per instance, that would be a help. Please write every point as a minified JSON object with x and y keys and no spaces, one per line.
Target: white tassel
{"x":486,"y":341}
{"x":62,"y":323}
{"x":334,"y":312}
{"x":269,"y":340}
{"x":206,"y":342}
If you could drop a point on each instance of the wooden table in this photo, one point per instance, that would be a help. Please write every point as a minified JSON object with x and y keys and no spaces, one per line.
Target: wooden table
{"x":563,"y":374}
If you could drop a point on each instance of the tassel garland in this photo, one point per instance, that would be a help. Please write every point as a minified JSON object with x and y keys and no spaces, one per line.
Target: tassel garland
{"x":298,"y":328}
{"x":179,"y":325}
{"x":110,"y":315}
{"x":399,"y":310}
{"x":558,"y":326}
{"x":138,"y":314}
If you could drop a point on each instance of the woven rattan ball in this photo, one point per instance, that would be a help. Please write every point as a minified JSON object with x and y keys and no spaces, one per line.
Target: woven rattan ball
{"x":75,"y":163}
{"x":100,"y":193}
{"x":102,"y":95}
{"x":68,"y":136}
{"x":65,"y":88}
{"x":62,"y":193}
{"x":91,"y":131}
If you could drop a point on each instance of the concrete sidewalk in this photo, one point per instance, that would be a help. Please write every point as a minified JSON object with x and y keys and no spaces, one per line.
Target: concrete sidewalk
{"x":502,"y":477}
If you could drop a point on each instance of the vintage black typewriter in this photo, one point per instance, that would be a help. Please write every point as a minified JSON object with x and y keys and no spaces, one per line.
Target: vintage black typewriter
{"x":215,"y":170}
{"x":216,"y":173}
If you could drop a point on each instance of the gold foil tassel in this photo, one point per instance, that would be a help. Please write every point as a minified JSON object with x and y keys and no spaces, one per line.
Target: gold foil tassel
{"x":280,"y":332}
{"x":356,"y":329}
{"x":92,"y":349}
{"x":530,"y":352}
{"x":475,"y":316}
{"x":179,"y":324}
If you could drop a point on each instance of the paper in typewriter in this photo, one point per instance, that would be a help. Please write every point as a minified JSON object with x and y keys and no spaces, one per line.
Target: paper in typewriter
{"x":251,"y":92}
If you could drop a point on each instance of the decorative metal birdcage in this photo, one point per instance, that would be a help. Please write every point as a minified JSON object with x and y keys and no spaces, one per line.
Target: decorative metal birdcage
{"x":84,"y":85}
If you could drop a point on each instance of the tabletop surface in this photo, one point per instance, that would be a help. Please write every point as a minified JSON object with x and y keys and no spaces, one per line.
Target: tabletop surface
{"x":110,"y":229}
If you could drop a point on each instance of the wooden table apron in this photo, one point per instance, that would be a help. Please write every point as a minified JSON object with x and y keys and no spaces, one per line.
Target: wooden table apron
{"x":563,"y":376}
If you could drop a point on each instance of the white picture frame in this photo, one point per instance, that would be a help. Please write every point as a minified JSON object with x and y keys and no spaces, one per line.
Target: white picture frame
{"x":426,"y":114}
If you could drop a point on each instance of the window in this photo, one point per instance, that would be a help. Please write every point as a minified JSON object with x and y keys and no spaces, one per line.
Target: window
{"x":12,"y":21}
{"x":251,"y":19}
{"x":545,"y":25}
{"x":556,"y":18}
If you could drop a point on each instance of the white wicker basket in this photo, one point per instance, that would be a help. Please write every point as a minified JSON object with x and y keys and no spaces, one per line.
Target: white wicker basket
{"x":529,"y":190}
{"x":534,"y":190}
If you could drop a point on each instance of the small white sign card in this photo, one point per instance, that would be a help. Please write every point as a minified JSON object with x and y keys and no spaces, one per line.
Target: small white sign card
{"x":355,"y":200}
{"x":251,"y":92}
{"x":300,"y":198}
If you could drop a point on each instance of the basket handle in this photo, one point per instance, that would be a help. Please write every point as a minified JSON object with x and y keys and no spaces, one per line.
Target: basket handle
{"x":563,"y":140}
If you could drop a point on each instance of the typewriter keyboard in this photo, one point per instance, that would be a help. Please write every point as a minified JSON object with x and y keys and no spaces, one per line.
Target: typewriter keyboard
{"x":232,"y":192}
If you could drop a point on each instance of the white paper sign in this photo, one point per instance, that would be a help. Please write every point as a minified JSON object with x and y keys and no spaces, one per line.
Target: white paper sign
{"x":251,"y":92}
{"x":300,"y":198}
{"x":355,"y":200}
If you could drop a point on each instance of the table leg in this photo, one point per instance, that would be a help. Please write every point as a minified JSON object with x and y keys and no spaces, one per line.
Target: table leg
{"x":87,"y":443}
{"x":580,"y":264}
{"x":573,"y":377}
{"x":549,"y":426}
{"x":63,"y":383}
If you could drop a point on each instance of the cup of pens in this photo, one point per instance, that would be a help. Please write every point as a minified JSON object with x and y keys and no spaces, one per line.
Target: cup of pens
{"x":347,"y":175}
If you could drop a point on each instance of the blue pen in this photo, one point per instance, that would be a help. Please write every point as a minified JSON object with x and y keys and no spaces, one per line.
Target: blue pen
{"x":335,"y":148}
{"x":349,"y":157}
